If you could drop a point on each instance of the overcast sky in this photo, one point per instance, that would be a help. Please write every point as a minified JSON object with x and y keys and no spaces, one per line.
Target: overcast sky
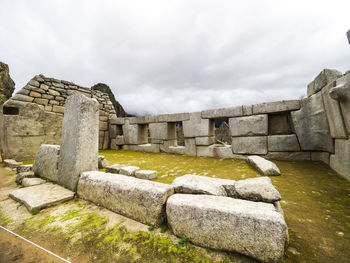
{"x":174,"y":56}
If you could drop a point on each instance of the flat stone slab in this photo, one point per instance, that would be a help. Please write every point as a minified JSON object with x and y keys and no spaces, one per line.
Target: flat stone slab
{"x":196,"y":184}
{"x":129,"y":170}
{"x":263,"y":166}
{"x":32,"y":181}
{"x":254,"y":229}
{"x":146,"y":174}
{"x":141,"y":200}
{"x":12,"y":163}
{"x":41,"y":196}
{"x":115,"y":168}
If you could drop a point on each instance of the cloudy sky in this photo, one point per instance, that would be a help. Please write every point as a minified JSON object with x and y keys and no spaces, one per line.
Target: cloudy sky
{"x":174,"y":56}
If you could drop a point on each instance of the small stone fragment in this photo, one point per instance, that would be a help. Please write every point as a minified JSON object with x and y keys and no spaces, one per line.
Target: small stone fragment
{"x":129,"y":170}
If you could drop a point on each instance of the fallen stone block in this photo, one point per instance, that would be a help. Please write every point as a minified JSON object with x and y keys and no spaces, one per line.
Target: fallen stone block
{"x":24,"y":168}
{"x":46,"y":162}
{"x":32,"y":181}
{"x":258,"y":189}
{"x":263,"y":166}
{"x":129,"y":170}
{"x":21,"y":176}
{"x":41,"y":196}
{"x":102,"y":162}
{"x":141,"y":200}
{"x":251,"y":228}
{"x":11,"y":163}
{"x":146,"y":174}
{"x":196,"y":184}
{"x":115,"y":168}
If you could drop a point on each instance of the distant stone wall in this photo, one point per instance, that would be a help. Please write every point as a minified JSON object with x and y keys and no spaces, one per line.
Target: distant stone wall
{"x":33,"y":116}
{"x":316,"y":128}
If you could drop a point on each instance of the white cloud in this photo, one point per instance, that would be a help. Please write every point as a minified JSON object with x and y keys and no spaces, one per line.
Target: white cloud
{"x":174,"y":56}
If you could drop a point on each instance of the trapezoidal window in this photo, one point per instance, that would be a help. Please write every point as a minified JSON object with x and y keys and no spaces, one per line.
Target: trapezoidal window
{"x":222,"y":131}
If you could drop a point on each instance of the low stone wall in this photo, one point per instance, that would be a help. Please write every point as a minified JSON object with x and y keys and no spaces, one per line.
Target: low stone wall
{"x":33,"y":116}
{"x":316,"y":128}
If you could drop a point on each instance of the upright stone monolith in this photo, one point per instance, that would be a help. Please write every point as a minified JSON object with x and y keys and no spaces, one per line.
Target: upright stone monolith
{"x":79,"y":146}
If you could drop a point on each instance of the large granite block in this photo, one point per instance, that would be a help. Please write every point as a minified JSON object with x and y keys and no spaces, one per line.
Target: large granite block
{"x":249,"y":126}
{"x":325,"y":77}
{"x":283,"y":143}
{"x":276,"y":106}
{"x":79,"y":147}
{"x":198,"y":127}
{"x":249,"y":145}
{"x":222,"y":113}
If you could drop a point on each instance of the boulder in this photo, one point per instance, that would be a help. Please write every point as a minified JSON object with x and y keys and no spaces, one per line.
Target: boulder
{"x":196,"y":184}
{"x":46,"y":162}
{"x":258,"y":189}
{"x":79,"y":147}
{"x":250,"y":228}
{"x":129,"y":170}
{"x":311,"y":125}
{"x":102,"y":162}
{"x":21,"y":176}
{"x":249,"y":125}
{"x":141,"y":200}
{"x":263,"y":166}
{"x":41,"y":196}
{"x":32,"y":181}
{"x":11,"y":163}
{"x":249,"y":145}
{"x":24,"y":168}
{"x":115,"y":168}
{"x":146,"y":174}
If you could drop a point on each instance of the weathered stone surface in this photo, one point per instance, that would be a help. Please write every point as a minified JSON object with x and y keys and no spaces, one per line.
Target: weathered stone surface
{"x":23,"y":175}
{"x":146,"y":174}
{"x":247,"y":110}
{"x":333,"y":113}
{"x":289,"y":156}
{"x":147,"y":148}
{"x":41,"y":196}
{"x":143,"y":119}
{"x":141,"y":200}
{"x":258,"y":189}
{"x":320,"y":156}
{"x":348,"y":35}
{"x":228,"y":185}
{"x":131,"y":133}
{"x":115,"y":168}
{"x":129,"y":170}
{"x":11,"y":163}
{"x":279,"y":123}
{"x":197,"y":127}
{"x":311,"y":125}
{"x":263,"y":166}
{"x":174,"y":117}
{"x":249,"y":145}
{"x":250,"y":228}
{"x":46,"y":162}
{"x":79,"y":147}
{"x":196,"y":184}
{"x":325,"y":77}
{"x":24,"y":168}
{"x":205,"y":140}
{"x":277,"y":106}
{"x":339,"y":161}
{"x":32,"y":181}
{"x":283,"y":143}
{"x":224,"y":151}
{"x":102,"y":162}
{"x":188,"y":149}
{"x":118,"y":121}
{"x":222,"y":113}
{"x":7,"y":85}
{"x":205,"y":151}
{"x":248,"y":126}
{"x":159,"y":131}
{"x":341,"y":93}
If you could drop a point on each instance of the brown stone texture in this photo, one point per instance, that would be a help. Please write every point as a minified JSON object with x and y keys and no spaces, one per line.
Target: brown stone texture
{"x":7,"y":85}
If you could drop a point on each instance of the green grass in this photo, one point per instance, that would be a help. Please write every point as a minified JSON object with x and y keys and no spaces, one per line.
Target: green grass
{"x":316,"y":200}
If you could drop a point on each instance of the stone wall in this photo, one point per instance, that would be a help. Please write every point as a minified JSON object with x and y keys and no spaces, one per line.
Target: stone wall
{"x":33,"y":116}
{"x":316,"y":128}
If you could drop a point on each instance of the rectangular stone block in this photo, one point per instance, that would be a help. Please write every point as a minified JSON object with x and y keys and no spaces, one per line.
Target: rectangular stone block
{"x":341,"y":93}
{"x":103,"y":126}
{"x":112,"y":131}
{"x":249,"y":126}
{"x":131,"y":133}
{"x":247,"y":110}
{"x":159,"y":131}
{"x":277,"y":106}
{"x":249,"y":145}
{"x":205,"y":151}
{"x":325,"y":77}
{"x":254,"y":229}
{"x":79,"y":147}
{"x":46,"y":162}
{"x":289,"y":156}
{"x":139,"y":199}
{"x":340,"y":160}
{"x":174,"y":117}
{"x":119,"y":121}
{"x":205,"y":140}
{"x":283,"y":143}
{"x":188,"y":149}
{"x":198,"y":127}
{"x":224,"y":152}
{"x":143,"y":119}
{"x":146,"y":148}
{"x":223,"y":113}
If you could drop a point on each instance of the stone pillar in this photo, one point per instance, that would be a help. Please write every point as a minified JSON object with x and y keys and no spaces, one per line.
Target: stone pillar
{"x":79,"y":147}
